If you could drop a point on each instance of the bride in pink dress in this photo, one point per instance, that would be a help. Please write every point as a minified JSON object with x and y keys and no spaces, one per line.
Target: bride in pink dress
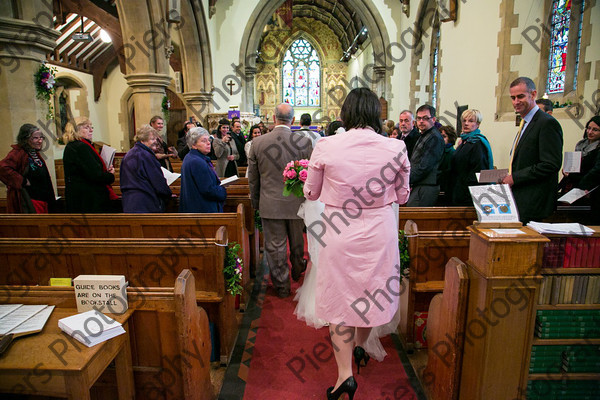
{"x":357,"y":176}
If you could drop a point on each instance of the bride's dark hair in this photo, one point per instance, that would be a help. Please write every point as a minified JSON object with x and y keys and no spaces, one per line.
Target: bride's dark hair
{"x":361,"y":109}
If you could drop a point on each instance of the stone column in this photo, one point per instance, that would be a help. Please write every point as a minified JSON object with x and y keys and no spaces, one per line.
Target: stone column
{"x":148,"y":93}
{"x":199,"y":104}
{"x":25,"y":38}
{"x":248,"y":105}
{"x":379,"y":78}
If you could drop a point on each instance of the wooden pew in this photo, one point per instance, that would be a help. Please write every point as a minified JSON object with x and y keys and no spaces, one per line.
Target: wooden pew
{"x":429,"y":252}
{"x":169,"y":338}
{"x":175,"y":226}
{"x":144,"y":262}
{"x":438,"y":218}
{"x":445,"y":333}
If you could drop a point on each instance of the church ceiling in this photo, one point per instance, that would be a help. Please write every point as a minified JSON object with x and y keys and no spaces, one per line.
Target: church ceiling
{"x":336,"y":14}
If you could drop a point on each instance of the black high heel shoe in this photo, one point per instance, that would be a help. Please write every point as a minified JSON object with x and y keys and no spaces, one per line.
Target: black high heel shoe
{"x":348,"y":386}
{"x":361,"y":358}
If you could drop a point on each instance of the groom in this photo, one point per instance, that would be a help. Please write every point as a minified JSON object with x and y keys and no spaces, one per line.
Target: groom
{"x":268,"y":157}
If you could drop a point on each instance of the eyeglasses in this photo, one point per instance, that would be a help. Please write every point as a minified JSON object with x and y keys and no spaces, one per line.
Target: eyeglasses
{"x":42,"y":138}
{"x":423,"y":118}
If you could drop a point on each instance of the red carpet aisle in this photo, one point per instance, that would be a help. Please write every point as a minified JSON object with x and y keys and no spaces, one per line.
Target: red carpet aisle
{"x":290,"y":360}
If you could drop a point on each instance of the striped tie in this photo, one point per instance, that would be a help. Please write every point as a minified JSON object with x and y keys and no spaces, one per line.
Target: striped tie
{"x":514,"y":148}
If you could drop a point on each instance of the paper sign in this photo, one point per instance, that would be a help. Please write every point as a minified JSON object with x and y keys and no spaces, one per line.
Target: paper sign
{"x":494,"y":203}
{"x":572,"y":162}
{"x":229,"y":180}
{"x":492,"y":175}
{"x":105,"y":293}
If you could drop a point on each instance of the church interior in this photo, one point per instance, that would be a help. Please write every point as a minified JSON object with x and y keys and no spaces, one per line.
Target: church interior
{"x":121,"y":62}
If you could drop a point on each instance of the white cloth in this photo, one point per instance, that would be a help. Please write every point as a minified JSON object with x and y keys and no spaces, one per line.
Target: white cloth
{"x":311,"y":211}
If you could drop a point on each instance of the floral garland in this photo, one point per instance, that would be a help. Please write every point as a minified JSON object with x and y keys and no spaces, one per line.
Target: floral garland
{"x":44,"y":80}
{"x":233,"y":269}
{"x":258,"y":221}
{"x":166,"y":106}
{"x":404,"y":256}
{"x":294,"y":176}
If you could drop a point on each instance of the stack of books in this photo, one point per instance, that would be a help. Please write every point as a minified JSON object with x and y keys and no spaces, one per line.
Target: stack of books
{"x":91,"y":327}
{"x":565,"y":358}
{"x":567,"y":324}
{"x":572,"y":252}
{"x":545,"y":389}
{"x":569,"y":289}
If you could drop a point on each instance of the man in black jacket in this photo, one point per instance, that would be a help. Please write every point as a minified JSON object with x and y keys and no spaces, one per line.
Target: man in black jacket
{"x":408,"y":130}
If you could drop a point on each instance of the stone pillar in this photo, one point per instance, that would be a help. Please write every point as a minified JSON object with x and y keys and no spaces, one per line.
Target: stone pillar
{"x":379,"y":81}
{"x":25,"y":38}
{"x":199,"y":104}
{"x":148,"y":93}
{"x":248,"y":105}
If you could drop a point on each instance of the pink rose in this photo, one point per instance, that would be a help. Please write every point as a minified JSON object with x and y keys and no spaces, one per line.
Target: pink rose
{"x":304,"y":163}
{"x":291,"y":174}
{"x":303,"y":174}
{"x":290,"y":165}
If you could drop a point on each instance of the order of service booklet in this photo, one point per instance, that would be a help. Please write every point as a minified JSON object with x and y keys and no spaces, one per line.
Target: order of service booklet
{"x":91,"y":327}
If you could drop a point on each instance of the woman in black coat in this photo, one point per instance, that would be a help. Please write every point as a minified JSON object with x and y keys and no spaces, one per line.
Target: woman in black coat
{"x":87,"y":179}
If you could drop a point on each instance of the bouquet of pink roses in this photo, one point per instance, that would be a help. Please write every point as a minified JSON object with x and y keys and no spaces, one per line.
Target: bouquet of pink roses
{"x":294,"y":176}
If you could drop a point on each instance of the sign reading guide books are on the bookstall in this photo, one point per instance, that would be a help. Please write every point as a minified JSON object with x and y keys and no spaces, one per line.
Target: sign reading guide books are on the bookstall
{"x":105,"y":293}
{"x":494,"y":203}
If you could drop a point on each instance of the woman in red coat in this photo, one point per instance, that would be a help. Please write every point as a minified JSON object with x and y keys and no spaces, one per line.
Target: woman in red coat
{"x":25,"y":174}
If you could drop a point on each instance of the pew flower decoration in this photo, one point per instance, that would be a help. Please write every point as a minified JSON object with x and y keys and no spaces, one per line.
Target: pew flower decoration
{"x":166,"y":107}
{"x":233,"y":269}
{"x":294,"y":176}
{"x":404,"y":256}
{"x":44,"y":80}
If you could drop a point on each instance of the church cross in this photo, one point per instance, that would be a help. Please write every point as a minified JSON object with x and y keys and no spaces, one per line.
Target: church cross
{"x":230,"y":84}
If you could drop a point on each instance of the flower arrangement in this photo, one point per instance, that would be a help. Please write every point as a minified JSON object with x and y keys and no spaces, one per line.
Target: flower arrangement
{"x":404,"y":256}
{"x":166,"y":107}
{"x":294,"y":176}
{"x":258,"y":221}
{"x":233,"y":269}
{"x":44,"y":80}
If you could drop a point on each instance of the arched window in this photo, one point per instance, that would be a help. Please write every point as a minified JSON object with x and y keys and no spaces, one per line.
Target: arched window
{"x":434,"y":65}
{"x":560,"y":25}
{"x":301,"y":75}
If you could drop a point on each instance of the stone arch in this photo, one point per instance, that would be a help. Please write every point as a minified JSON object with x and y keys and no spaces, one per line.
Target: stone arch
{"x":367,"y":12}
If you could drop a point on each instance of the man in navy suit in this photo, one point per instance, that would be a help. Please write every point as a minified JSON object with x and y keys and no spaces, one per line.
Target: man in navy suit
{"x":536,"y":156}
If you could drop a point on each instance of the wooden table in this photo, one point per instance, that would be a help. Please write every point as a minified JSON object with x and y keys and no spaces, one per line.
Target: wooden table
{"x":51,"y":363}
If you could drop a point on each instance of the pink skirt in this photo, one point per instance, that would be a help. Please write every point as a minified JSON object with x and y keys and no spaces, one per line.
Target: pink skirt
{"x":358,"y":279}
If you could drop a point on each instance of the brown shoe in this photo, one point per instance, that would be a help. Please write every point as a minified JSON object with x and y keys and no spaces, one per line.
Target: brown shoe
{"x":296,"y":273}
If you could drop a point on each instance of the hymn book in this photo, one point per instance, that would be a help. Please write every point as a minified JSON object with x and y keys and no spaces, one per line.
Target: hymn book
{"x":108,"y":155}
{"x":91,"y":327}
{"x":20,"y":320}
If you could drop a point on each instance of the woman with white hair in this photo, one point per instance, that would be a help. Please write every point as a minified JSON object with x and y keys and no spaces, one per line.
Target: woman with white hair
{"x":143,"y":184}
{"x":201,"y":190}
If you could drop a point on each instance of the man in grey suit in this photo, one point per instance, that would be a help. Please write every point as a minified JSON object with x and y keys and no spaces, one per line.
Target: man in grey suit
{"x":268,"y":157}
{"x":536,"y":156}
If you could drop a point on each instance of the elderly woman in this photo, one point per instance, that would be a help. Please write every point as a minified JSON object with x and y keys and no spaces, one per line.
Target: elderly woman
{"x":143,"y":185}
{"x":25,"y":174}
{"x":201,"y":190}
{"x":87,"y":178}
{"x":226,"y":152}
{"x":472,"y":155}
{"x":589,"y":147}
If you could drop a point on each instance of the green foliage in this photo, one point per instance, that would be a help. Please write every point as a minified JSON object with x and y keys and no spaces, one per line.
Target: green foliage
{"x":258,"y":221}
{"x":404,"y":256}
{"x":166,"y":107}
{"x":45,"y":86}
{"x":232,"y":271}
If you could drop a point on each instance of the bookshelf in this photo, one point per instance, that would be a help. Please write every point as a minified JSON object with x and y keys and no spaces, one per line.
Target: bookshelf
{"x":565,"y":353}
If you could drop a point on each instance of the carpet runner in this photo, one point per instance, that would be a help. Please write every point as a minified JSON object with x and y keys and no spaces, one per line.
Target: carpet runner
{"x":279,"y":357}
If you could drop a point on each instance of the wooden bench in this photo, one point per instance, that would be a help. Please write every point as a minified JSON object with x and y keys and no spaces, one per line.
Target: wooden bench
{"x":145,"y":263}
{"x":169,"y":339}
{"x":168,"y":226}
{"x":438,"y":218}
{"x":429,"y":252}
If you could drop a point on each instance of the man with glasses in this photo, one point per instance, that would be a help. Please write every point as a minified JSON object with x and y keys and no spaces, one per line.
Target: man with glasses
{"x":424,"y":160}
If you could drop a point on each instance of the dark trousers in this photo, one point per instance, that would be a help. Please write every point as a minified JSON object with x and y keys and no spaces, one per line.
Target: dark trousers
{"x":277,"y":233}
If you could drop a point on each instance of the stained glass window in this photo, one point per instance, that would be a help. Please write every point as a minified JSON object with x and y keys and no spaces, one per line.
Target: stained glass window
{"x":434,"y":69}
{"x":301,"y":75}
{"x":559,"y":39}
{"x":579,"y":28}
